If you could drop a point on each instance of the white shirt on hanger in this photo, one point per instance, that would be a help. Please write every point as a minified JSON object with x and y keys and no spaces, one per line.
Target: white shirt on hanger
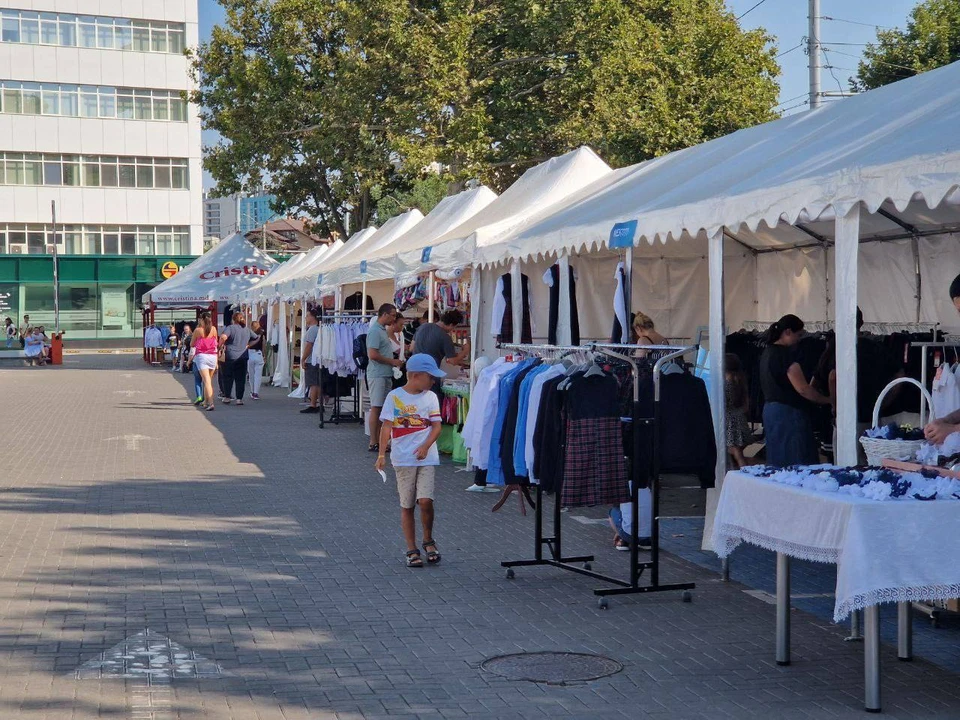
{"x":946,"y":392}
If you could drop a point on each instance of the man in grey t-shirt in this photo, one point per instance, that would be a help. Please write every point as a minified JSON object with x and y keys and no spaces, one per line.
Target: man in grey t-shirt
{"x":311,"y":372}
{"x":234,"y":340}
{"x":380,"y":368}
{"x":434,"y":340}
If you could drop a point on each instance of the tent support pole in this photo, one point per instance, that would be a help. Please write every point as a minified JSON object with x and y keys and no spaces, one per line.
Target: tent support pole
{"x":717,"y":385}
{"x":564,"y":321}
{"x":845,"y":294}
{"x":473,"y":298}
{"x":431,"y":294}
{"x":516,"y":301}
{"x":626,"y":336}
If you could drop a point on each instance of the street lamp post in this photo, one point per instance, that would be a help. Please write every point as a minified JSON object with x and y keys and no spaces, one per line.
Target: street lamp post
{"x":56,"y":271}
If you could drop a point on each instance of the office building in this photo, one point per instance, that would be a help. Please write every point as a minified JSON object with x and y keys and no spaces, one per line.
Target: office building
{"x":225,"y":216}
{"x":93,"y":118}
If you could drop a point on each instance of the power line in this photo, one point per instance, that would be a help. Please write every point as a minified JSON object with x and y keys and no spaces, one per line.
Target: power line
{"x":855,"y":22}
{"x":882,"y":62}
{"x":795,"y":47}
{"x":832,"y":74}
{"x":742,"y":15}
{"x":794,"y":107}
{"x":790,"y":100}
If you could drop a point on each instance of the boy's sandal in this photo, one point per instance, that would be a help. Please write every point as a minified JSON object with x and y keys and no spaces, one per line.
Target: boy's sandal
{"x":433,"y":557}
{"x":413,"y":559}
{"x":373,"y":448}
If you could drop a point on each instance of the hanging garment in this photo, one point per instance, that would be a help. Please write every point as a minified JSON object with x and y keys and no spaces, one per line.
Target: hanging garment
{"x":503,"y":310}
{"x":478,"y":427}
{"x":523,"y":412}
{"x":511,"y":415}
{"x":595,"y":470}
{"x":533,"y":410}
{"x":495,"y":469}
{"x":551,"y":278}
{"x":352,"y":303}
{"x":946,"y":392}
{"x":620,"y":320}
{"x":548,"y":436}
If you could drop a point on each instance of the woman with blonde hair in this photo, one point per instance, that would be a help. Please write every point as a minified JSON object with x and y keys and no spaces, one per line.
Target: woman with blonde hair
{"x":645,"y":332}
{"x":203,"y":349}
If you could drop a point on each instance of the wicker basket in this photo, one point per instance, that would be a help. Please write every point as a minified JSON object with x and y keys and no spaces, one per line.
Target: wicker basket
{"x":878,"y":449}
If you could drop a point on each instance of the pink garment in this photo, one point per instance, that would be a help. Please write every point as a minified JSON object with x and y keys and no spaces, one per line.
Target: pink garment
{"x":206,"y":345}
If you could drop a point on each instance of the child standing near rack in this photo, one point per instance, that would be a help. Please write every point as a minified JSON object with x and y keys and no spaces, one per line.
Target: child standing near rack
{"x":411,"y":419}
{"x":736,"y":394}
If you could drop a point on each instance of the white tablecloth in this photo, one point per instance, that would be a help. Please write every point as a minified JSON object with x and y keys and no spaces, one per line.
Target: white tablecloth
{"x":885,"y":551}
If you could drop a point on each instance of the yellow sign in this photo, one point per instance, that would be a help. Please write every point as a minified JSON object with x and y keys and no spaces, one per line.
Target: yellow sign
{"x":169,"y":269}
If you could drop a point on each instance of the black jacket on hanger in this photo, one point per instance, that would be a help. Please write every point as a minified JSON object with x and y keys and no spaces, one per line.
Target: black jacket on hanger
{"x":506,"y":325}
{"x":555,"y":307}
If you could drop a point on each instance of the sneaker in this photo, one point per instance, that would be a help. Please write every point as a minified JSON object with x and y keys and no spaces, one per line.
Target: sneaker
{"x":477,"y":488}
{"x":225,"y":401}
{"x":645,"y":543}
{"x":198,"y":400}
{"x":621,"y":545}
{"x":493,"y":488}
{"x":239,"y":402}
{"x":254,"y":396}
{"x":310,"y":411}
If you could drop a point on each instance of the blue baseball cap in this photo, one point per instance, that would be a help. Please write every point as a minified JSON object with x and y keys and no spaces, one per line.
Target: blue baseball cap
{"x":421,"y":362}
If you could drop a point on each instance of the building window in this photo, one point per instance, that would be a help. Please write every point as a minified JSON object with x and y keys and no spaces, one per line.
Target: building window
{"x":93,"y":171}
{"x":95,"y":239}
{"x":89,"y":31}
{"x":26,"y":98}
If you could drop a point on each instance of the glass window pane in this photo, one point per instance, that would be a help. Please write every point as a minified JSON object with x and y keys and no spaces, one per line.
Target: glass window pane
{"x":124,"y":38}
{"x":162,"y":177}
{"x":176,"y":41}
{"x":71,"y":243}
{"x":111,"y":244}
{"x":32,"y":172}
{"x":91,"y":174}
{"x":178,"y":110}
{"x":51,"y":101}
{"x":108,"y":108}
{"x":52,"y":173}
{"x":158,"y":39}
{"x":108,"y":175}
{"x":48,"y":32}
{"x":180,"y":178}
{"x":143,"y":111}
{"x":89,"y":105}
{"x":145,"y":244}
{"x":31,"y":101}
{"x":105,"y":36}
{"x":71,"y":174}
{"x":68,"y":103}
{"x":10,"y":30}
{"x":161,"y":109}
{"x":29,"y":31}
{"x":128,"y":243}
{"x":125,"y":107}
{"x":164,"y":244}
{"x":12,"y":101}
{"x":145,"y":176}
{"x":128,"y":176}
{"x":141,"y":38}
{"x":15,"y":172}
{"x":88,"y":35}
{"x":92,"y":244}
{"x":68,"y":31}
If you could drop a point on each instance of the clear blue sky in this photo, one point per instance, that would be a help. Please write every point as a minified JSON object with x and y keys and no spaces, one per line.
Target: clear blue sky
{"x":784,"y":19}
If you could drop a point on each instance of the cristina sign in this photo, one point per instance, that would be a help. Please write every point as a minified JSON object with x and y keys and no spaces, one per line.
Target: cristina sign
{"x":233,"y":271}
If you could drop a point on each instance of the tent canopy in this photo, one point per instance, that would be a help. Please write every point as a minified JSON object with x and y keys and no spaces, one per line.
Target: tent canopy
{"x":781,"y":184}
{"x":548,"y":185}
{"x":450,"y":212}
{"x":218,"y":275}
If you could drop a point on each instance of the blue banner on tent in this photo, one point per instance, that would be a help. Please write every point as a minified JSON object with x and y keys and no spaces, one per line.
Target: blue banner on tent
{"x":363,"y":267}
{"x":425,"y":254}
{"x":621,"y":235}
{"x":319,"y":278}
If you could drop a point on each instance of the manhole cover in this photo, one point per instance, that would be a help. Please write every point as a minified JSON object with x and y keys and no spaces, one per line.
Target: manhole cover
{"x":552,"y":667}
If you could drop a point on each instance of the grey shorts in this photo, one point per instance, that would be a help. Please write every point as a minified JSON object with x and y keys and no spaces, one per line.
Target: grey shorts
{"x":311,"y":374}
{"x":379,"y":387}
{"x":415,"y":483}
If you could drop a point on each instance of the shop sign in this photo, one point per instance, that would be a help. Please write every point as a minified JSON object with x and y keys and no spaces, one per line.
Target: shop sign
{"x":319,"y":279}
{"x":622,"y":234}
{"x":169,"y":269}
{"x":363,"y":267}
{"x":233,"y":271}
{"x":425,"y":254}
{"x":9,"y":298}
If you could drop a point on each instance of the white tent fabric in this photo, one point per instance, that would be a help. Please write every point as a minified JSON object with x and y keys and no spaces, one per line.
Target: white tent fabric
{"x":281,"y":374}
{"x":304,"y":280}
{"x":216,"y":276}
{"x":285,"y":285}
{"x":545,"y":186}
{"x":306,"y":277}
{"x":357,"y":255}
{"x":449,"y":213}
{"x":266,"y":288}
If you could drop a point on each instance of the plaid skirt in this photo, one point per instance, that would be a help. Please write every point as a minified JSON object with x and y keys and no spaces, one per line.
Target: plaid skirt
{"x":594,"y":470}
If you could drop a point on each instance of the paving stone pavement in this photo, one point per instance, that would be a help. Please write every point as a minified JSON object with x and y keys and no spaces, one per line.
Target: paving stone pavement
{"x":252,"y":541}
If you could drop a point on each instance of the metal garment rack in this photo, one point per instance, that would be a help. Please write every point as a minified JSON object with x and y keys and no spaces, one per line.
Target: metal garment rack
{"x":554,"y":543}
{"x":337,"y":416}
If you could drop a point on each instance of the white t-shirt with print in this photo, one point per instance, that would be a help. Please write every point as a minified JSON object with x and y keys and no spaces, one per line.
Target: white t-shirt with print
{"x":412,"y":417}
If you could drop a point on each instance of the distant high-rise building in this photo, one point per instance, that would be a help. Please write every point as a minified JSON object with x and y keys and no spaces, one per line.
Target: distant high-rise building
{"x":225,"y":216}
{"x":93,"y":117}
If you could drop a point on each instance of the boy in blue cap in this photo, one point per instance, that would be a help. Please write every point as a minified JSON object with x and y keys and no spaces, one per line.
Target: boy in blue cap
{"x":411,"y":420}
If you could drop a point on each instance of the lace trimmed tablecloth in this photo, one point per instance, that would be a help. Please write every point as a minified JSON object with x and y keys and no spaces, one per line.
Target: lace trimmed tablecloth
{"x":885,"y":551}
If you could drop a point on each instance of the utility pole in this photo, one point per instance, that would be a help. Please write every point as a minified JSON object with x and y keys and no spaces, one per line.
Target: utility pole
{"x":56,"y":271}
{"x":813,"y":52}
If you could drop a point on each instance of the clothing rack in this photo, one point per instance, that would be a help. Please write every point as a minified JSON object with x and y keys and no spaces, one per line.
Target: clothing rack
{"x":553,"y":543}
{"x":337,"y":416}
{"x":875,"y":328}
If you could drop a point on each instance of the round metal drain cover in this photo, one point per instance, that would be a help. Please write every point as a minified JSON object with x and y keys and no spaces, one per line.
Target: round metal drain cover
{"x":552,"y":667}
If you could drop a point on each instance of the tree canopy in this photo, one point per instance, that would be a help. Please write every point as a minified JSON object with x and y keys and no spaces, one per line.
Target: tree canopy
{"x":930,"y":40}
{"x":337,"y":106}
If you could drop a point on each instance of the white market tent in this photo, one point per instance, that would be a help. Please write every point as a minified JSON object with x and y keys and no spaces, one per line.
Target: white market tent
{"x":449,"y":213}
{"x":545,"y":186}
{"x":294,"y":282}
{"x":218,"y":275}
{"x":866,"y":187}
